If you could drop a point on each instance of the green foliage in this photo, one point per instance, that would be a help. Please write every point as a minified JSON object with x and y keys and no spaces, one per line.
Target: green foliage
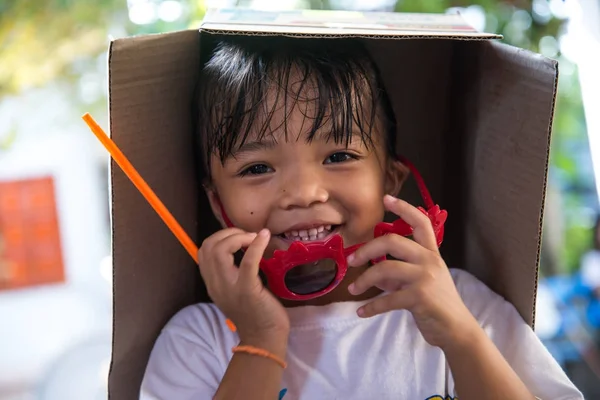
{"x":40,"y":40}
{"x":577,"y":239}
{"x":45,"y":40}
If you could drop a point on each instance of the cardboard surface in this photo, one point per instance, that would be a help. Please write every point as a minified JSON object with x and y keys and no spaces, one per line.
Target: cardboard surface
{"x":474,"y":116}
{"x":150,"y":118}
{"x":340,"y":23}
{"x":506,"y":164}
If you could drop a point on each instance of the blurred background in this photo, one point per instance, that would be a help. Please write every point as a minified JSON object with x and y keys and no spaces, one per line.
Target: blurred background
{"x":55,"y":266}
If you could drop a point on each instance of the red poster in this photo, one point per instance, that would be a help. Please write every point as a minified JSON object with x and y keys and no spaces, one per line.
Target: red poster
{"x":30,"y":247}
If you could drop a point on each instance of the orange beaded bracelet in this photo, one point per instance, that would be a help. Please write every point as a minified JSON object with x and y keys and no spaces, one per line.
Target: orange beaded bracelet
{"x":259,"y":352}
{"x":230,"y":325}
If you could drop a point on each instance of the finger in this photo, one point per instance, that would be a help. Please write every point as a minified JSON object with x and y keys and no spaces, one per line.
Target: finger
{"x":250,"y":263}
{"x":399,"y":247}
{"x":388,"y":275}
{"x":218,"y":236}
{"x":213,"y":239}
{"x":422,"y":229}
{"x":395,"y":301}
{"x":234,"y":243}
{"x":219,"y":262}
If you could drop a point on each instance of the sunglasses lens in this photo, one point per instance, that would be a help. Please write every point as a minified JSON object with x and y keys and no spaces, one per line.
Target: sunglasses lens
{"x":311,"y":278}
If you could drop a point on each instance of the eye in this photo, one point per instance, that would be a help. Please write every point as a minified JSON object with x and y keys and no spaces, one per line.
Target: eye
{"x":339,"y":157}
{"x":256,"y":169}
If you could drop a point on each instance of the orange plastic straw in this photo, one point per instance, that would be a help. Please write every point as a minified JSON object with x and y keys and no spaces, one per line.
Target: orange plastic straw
{"x":143,"y":187}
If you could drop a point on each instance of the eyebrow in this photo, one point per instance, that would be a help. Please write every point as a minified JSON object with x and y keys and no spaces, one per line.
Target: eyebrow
{"x":267,"y":144}
{"x":255,"y":145}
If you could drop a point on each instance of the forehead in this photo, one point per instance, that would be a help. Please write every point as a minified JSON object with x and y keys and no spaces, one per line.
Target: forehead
{"x":296,"y":98}
{"x":299,"y":106}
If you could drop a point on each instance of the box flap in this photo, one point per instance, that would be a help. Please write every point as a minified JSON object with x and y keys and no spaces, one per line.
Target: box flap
{"x":151,"y":80}
{"x":508,"y":109}
{"x":341,"y":23}
{"x":484,"y":155}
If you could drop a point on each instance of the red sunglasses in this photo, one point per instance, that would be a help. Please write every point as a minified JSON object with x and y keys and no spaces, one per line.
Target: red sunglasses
{"x":285,"y":270}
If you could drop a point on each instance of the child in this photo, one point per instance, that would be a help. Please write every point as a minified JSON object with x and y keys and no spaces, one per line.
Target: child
{"x":298,"y":139}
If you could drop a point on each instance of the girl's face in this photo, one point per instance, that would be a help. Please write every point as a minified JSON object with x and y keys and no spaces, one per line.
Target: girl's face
{"x":305,"y":191}
{"x":302,"y":190}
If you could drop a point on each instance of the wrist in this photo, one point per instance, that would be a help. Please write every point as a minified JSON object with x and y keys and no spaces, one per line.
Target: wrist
{"x":274,"y":342}
{"x":466,"y":341}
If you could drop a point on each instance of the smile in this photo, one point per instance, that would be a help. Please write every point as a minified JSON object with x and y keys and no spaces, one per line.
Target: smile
{"x":320,"y":232}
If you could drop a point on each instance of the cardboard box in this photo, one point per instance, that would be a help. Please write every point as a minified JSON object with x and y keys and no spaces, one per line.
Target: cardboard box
{"x":475,"y":117}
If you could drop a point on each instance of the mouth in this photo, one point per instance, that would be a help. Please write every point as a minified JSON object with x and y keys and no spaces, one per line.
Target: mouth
{"x":309,"y":234}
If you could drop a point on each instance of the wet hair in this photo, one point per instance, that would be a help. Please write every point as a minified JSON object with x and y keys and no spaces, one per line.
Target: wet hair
{"x":247,"y":79}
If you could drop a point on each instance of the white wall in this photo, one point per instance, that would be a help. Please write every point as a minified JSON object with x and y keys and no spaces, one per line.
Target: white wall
{"x":584,"y":32}
{"x":37,"y":325}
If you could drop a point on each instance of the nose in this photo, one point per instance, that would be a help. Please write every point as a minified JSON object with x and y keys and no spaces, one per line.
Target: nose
{"x":302,"y":189}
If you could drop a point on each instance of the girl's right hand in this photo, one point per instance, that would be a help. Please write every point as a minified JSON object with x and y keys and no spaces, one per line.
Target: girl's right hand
{"x":238,"y":292}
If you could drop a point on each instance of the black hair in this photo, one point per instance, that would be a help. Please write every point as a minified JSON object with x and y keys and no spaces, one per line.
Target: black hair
{"x":336,"y":75}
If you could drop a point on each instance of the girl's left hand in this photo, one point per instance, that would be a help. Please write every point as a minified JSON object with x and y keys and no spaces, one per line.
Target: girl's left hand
{"x":418,"y":280}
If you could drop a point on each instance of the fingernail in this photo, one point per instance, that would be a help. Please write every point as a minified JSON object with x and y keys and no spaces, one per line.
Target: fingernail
{"x":264,"y":233}
{"x":361,"y":312}
{"x":389,"y":198}
{"x":351,"y":288}
{"x":350,"y":258}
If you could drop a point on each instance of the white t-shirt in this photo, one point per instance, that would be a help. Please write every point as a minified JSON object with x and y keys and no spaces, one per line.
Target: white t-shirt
{"x":334,"y":354}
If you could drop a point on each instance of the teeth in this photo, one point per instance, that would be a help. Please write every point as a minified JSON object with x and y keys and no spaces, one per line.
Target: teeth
{"x":309,"y":234}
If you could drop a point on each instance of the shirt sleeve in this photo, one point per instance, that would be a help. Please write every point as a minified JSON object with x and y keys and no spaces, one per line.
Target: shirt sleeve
{"x":186,"y":361}
{"x":517,"y":342}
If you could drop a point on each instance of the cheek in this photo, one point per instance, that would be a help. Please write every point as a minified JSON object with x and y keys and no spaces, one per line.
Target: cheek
{"x":244,"y":202}
{"x":246,"y":208}
{"x":368,"y":185}
{"x":364,"y":198}
{"x":368,"y":208}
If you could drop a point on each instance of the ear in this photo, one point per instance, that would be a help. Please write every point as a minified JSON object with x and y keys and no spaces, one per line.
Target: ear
{"x":395,"y":176}
{"x":213,"y":199}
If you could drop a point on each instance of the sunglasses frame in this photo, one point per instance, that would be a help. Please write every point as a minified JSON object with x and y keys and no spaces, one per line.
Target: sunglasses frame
{"x":283,"y":261}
